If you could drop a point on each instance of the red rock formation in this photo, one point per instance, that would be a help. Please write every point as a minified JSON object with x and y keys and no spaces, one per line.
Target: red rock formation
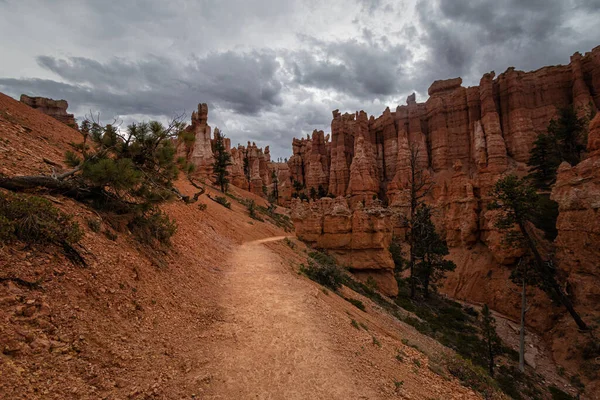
{"x":357,"y":237}
{"x":57,"y":109}
{"x":468,"y":138}
{"x":199,"y":150}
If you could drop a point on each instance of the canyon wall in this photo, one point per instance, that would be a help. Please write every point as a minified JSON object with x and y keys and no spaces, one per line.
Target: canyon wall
{"x":57,"y":109}
{"x":466,"y":138}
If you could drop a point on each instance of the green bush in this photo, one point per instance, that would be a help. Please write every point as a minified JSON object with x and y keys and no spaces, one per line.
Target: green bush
{"x":33,"y":219}
{"x":323,"y":269}
{"x":558,"y":394}
{"x":94,"y":224}
{"x":471,"y":375}
{"x":357,"y":303}
{"x":153,"y":226}
{"x":222,"y":200}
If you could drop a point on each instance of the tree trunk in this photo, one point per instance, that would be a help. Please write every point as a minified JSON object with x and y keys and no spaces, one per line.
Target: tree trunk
{"x":491,"y":356}
{"x":522,"y":331}
{"x":555,"y":287}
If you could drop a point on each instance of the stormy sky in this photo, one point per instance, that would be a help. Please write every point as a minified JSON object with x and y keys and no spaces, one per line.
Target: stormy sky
{"x":273,"y":69}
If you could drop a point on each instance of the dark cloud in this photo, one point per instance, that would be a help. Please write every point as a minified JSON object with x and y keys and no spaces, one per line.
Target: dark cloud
{"x":273,"y":69}
{"x":467,"y":38}
{"x":365,"y":69}
{"x":244,"y":83}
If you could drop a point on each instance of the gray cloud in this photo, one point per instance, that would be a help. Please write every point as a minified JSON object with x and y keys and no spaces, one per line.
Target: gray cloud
{"x":273,"y":69}
{"x":245,"y":83}
{"x":365,"y":69}
{"x":467,"y":38}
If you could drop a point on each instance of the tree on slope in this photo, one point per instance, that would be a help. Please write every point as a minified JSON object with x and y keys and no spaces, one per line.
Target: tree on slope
{"x":517,"y":200}
{"x":419,"y":185}
{"x":222,"y":161}
{"x":492,"y":341}
{"x":275,"y":192}
{"x":128,"y":172}
{"x":429,"y":251}
{"x":564,"y":141}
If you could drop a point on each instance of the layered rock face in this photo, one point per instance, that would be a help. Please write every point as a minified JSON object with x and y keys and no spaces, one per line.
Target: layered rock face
{"x":57,"y":109}
{"x":359,"y":236}
{"x":465,"y":139}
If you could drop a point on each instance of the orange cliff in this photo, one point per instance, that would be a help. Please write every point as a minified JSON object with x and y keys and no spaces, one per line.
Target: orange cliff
{"x":468,"y":137}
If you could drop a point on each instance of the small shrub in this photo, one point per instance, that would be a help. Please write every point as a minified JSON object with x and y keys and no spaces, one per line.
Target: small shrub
{"x":398,"y":384}
{"x":357,"y":303}
{"x":471,"y":375}
{"x":365,"y":327}
{"x":251,"y":206}
{"x":558,"y":394}
{"x":376,"y":342}
{"x":202,"y":206}
{"x":222,"y":200}
{"x":326,"y":273}
{"x":417,"y":362}
{"x":33,"y":219}
{"x":110,"y":235}
{"x":153,"y":226}
{"x":93,"y":224}
{"x":289,"y":243}
{"x":355,"y":324}
{"x":471,"y":311}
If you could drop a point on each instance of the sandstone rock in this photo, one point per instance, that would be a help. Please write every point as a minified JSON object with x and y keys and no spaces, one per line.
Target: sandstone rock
{"x":200,"y":152}
{"x":468,"y":138}
{"x":57,"y":109}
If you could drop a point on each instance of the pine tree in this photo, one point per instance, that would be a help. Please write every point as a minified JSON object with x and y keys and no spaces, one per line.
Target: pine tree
{"x":517,"y":202}
{"x":429,"y":251}
{"x":492,"y":341}
{"x":419,"y":185}
{"x":222,"y":161}
{"x":247,"y":166}
{"x":275,"y":192}
{"x":564,"y":141}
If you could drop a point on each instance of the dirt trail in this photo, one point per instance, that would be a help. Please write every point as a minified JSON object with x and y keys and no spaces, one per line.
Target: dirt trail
{"x":271,"y":343}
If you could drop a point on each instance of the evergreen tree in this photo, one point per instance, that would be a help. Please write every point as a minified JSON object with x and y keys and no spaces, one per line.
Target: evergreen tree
{"x":321,"y":192}
{"x":275,"y":192}
{"x":420,"y":185}
{"x":429,"y":251}
{"x":222,"y":161}
{"x":247,"y":166}
{"x":564,"y":141}
{"x":493,"y":343}
{"x":544,"y":161}
{"x":313,"y":193}
{"x":517,"y":202}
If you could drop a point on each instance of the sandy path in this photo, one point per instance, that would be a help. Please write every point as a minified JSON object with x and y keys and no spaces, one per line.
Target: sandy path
{"x":273,"y":344}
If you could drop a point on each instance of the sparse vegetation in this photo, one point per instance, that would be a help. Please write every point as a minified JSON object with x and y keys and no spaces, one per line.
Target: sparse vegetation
{"x":222,"y":200}
{"x":222,"y":161}
{"x":94,"y":224}
{"x":324,"y":270}
{"x":355,"y":324}
{"x":34,"y":220}
{"x":376,"y":342}
{"x":357,"y":303}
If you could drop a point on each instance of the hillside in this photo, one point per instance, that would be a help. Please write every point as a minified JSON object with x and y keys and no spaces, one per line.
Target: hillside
{"x":218,"y":315}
